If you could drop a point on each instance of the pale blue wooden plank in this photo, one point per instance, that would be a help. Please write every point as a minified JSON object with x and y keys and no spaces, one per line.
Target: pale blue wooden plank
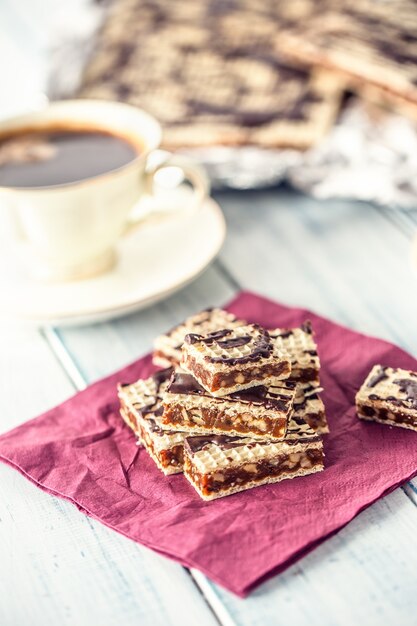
{"x":364,"y":575}
{"x":341,"y":259}
{"x":411,"y":490}
{"x":30,"y":379}
{"x":56,"y":565}
{"x":59,"y":566}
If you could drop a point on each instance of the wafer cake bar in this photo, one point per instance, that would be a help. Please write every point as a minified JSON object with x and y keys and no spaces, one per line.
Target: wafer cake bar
{"x":365,"y":41}
{"x":261,"y":412}
{"x":167,"y":347}
{"x":381,"y":100}
{"x":141,"y":409}
{"x":234,"y":359}
{"x":300,"y":345}
{"x":218,"y":466}
{"x":209,"y":73}
{"x":389,"y":396}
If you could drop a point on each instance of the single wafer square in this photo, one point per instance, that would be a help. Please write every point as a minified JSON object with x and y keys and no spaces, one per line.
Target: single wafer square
{"x":231,"y":360}
{"x":261,"y":412}
{"x":220,"y":466}
{"x":300,"y":345}
{"x":389,"y":396}
{"x":167,"y":347}
{"x":208,"y":71}
{"x":141,"y":409}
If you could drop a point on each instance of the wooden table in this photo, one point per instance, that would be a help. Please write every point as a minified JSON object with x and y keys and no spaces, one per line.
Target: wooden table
{"x":345,"y":260}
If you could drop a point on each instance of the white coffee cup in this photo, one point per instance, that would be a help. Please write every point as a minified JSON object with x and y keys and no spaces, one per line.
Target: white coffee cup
{"x":70,"y":231}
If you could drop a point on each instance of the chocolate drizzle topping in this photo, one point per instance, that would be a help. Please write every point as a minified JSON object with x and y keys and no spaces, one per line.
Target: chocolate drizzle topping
{"x":290,"y":384}
{"x":261,"y":345}
{"x":408,"y":387}
{"x":153,"y":426}
{"x":262,"y":395}
{"x":195,"y":444}
{"x":298,"y":432}
{"x":285,"y":333}
{"x":209,"y":338}
{"x":303,"y":403}
{"x":147,"y":409}
{"x":183,"y":383}
{"x":234,"y":343}
{"x":150,"y":411}
{"x":159,"y":378}
{"x":379,"y":376}
{"x":307,"y":327}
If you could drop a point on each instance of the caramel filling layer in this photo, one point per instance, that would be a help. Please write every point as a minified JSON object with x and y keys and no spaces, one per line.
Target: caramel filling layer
{"x":305,"y":374}
{"x":315,"y":420}
{"x":233,"y":377}
{"x":173,"y":457}
{"x":242,"y":423}
{"x":387,"y":414}
{"x":224,"y":479}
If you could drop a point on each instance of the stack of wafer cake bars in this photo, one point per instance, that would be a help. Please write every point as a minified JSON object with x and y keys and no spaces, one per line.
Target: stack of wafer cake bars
{"x":236,"y":406}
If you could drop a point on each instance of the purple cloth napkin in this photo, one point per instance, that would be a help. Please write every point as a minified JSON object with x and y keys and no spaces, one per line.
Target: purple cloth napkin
{"x":82,"y":451}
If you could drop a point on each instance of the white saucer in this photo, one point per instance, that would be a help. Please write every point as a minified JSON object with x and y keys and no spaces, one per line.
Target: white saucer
{"x":154,"y":261}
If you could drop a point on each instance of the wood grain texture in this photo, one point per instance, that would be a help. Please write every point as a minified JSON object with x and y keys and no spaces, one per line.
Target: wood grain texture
{"x":30,"y":378}
{"x":363,"y":575}
{"x":343,"y":259}
{"x":344,"y":567}
{"x":58,"y":566}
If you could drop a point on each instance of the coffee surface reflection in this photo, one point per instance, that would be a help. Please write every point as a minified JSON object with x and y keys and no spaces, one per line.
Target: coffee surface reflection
{"x":42,"y":158}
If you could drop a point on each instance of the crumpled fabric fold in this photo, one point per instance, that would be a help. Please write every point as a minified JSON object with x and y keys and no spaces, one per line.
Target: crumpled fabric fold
{"x":83,"y":452}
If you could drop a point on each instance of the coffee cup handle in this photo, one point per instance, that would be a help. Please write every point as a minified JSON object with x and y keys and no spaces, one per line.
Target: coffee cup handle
{"x":150,"y":208}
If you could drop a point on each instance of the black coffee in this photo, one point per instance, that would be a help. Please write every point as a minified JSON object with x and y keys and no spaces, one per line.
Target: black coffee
{"x":37,"y":158}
